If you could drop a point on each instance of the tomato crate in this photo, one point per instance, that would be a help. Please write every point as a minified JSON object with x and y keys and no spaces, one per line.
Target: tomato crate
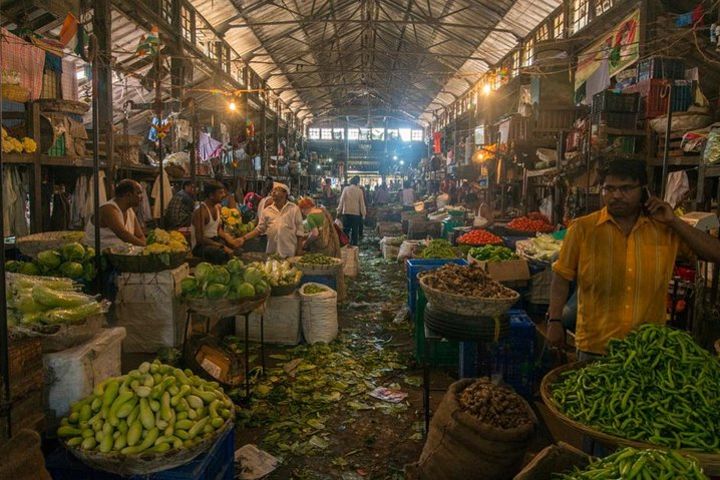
{"x":661,"y":67}
{"x":217,"y":464}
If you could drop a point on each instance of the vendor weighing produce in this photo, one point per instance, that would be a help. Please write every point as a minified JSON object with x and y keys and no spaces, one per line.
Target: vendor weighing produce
{"x":282,"y":222}
{"x":622,"y":258}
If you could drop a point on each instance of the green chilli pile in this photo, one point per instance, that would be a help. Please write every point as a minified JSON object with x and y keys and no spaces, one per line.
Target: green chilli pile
{"x":630,"y":463}
{"x":154,"y":409}
{"x":657,"y":386}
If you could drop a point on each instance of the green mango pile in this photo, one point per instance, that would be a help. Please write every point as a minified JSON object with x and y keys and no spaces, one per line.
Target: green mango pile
{"x":72,"y":260}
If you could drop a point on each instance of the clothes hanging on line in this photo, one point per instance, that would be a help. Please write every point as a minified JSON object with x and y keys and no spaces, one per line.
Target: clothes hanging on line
{"x":167,"y":195}
{"x":208,"y":147}
{"x":143,"y":211}
{"x":15,"y":201}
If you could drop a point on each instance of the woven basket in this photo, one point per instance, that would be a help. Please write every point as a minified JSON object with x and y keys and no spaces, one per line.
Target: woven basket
{"x":15,"y":93}
{"x":282,"y":290}
{"x":63,"y":106}
{"x":145,"y":263}
{"x":464,"y":305}
{"x":466,"y":328}
{"x":317,"y":269}
{"x":56,"y":338}
{"x":145,"y":464}
{"x":224,"y":307}
{"x":709,"y":461}
{"x":31,"y":245}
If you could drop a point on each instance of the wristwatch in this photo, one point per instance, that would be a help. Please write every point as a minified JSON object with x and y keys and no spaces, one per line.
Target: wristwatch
{"x":549,"y":320}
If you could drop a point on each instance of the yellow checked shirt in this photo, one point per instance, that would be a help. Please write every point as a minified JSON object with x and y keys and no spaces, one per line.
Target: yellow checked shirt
{"x":622,"y":281}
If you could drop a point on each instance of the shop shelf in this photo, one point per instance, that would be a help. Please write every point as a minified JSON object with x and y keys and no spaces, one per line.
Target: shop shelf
{"x":217,"y":464}
{"x":654,"y":96}
{"x":622,"y":120}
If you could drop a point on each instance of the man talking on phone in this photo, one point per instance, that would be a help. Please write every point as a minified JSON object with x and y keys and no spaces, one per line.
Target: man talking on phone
{"x":622,"y":259}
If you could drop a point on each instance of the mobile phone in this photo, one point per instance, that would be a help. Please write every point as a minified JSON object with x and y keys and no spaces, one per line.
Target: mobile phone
{"x":645,"y":197}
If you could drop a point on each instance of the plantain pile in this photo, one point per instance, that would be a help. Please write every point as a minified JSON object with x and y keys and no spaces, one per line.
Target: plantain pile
{"x":154,"y":409}
{"x":469,"y":281}
{"x":496,"y":405}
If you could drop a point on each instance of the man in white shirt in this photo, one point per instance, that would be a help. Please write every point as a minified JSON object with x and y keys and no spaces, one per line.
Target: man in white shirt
{"x":408,"y":195}
{"x":282,"y":222}
{"x":352,"y":209}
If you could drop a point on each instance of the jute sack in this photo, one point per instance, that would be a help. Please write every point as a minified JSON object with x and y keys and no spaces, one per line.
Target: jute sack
{"x":552,"y":460}
{"x":460,"y":447}
{"x":22,"y":459}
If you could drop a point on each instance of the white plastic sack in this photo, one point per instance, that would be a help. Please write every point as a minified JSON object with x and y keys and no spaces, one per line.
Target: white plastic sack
{"x":319,"y":315}
{"x":390,"y":252}
{"x":281,"y":321}
{"x":73,"y":373}
{"x":148,"y":307}
{"x":351,"y":260}
{"x":406,"y":249}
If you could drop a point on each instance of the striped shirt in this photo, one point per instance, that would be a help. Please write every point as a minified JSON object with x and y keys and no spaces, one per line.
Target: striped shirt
{"x":622,"y":280}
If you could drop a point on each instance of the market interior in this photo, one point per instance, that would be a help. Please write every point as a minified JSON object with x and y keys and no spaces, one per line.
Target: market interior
{"x":373,"y":239}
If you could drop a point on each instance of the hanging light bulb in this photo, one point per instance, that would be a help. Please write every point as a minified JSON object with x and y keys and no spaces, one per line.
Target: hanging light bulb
{"x":486,"y":89}
{"x":232,"y":106}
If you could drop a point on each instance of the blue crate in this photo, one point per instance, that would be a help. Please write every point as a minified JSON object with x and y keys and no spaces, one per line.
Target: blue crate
{"x":327,"y":280}
{"x":512,"y":359}
{"x":217,"y":464}
{"x":417,"y":265}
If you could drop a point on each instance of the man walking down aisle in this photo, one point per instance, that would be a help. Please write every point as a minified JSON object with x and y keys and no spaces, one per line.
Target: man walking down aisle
{"x":352,"y":208}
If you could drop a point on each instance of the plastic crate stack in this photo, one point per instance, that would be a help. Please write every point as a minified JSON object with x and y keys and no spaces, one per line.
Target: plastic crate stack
{"x":512,"y":359}
{"x":655,"y":76}
{"x":615,"y":110}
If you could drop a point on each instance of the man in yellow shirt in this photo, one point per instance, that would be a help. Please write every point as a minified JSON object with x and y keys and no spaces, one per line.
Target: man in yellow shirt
{"x":622,"y":258}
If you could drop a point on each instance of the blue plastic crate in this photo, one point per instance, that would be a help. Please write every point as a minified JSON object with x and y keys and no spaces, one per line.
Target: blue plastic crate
{"x":217,"y":464}
{"x":327,"y":280}
{"x":417,"y":265}
{"x":512,"y":359}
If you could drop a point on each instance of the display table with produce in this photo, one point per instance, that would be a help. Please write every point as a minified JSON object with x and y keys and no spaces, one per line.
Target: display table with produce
{"x":656,"y":389}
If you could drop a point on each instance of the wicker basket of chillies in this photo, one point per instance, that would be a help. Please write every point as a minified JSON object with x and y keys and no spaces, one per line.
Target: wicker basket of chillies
{"x":708,"y":460}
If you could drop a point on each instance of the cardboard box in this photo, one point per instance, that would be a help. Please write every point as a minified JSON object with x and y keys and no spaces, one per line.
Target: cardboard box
{"x":507,"y":271}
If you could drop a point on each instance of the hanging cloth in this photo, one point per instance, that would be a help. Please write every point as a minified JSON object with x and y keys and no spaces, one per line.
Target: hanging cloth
{"x":89,"y":202}
{"x":678,"y":186}
{"x":208,"y":147}
{"x":167,"y":195}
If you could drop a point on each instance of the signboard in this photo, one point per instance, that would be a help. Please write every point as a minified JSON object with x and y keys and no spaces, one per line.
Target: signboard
{"x":619,"y":48}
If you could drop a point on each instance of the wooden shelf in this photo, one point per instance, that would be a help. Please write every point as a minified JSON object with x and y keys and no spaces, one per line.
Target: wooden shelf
{"x":48,"y":161}
{"x":682,"y":161}
{"x":542,"y":173}
{"x":712,"y":171}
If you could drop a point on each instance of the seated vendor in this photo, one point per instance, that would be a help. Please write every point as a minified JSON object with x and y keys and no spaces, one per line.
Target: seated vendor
{"x":209,"y":240}
{"x":118,"y":223}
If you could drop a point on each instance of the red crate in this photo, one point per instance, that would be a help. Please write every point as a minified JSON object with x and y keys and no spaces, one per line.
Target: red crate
{"x":654,"y":96}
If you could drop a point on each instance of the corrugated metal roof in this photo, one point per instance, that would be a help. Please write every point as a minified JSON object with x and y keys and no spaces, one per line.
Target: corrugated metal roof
{"x":335,"y":57}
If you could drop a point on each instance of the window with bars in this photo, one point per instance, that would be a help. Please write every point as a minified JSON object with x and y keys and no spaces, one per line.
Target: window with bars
{"x":602,"y":6}
{"x":166,"y":11}
{"x":338,"y":134}
{"x":515,"y":63}
{"x":417,"y":136}
{"x":559,"y":25}
{"x":314,"y":133}
{"x":353,"y":134}
{"x":186,"y":23}
{"x":543,"y":33}
{"x":326,"y":134}
{"x":528,"y":53}
{"x":237,"y":70}
{"x":580,"y":14}
{"x":405,"y":134}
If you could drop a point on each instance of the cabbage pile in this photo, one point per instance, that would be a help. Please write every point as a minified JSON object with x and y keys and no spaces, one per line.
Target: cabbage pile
{"x":41,"y":301}
{"x":234,"y":281}
{"x":72,"y":260}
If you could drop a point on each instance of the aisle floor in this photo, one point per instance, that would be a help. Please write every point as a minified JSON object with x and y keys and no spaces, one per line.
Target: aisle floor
{"x":321,"y":436}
